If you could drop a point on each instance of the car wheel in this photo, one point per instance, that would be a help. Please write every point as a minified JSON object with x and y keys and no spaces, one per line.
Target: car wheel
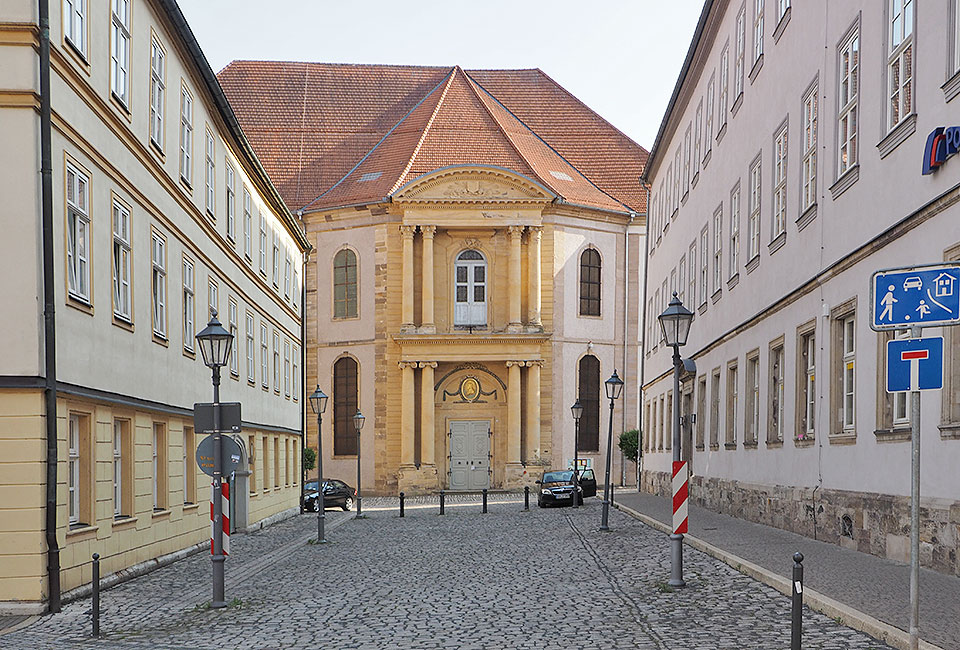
{"x":347,"y":504}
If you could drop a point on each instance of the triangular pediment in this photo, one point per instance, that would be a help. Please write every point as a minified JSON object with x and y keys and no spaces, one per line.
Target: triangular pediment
{"x":473,"y":185}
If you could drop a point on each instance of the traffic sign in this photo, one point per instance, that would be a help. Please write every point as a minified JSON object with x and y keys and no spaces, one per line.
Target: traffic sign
{"x":231,"y":455}
{"x":915,"y":364}
{"x":922,"y":296}
{"x":203,"y":415}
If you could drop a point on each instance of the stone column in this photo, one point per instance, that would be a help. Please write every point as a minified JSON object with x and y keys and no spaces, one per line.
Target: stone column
{"x":535,"y":234}
{"x":427,"y":426}
{"x":407,"y":415}
{"x":513,"y":281}
{"x":533,"y":410}
{"x":513,"y":412}
{"x":406,"y":233}
{"x":426,"y":311}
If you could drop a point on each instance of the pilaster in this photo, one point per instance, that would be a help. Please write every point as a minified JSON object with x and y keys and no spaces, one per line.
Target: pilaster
{"x":534,"y":237}
{"x":427,"y":325}
{"x":516,"y":232}
{"x":406,"y":235}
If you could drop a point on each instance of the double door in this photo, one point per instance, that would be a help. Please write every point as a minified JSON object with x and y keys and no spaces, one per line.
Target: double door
{"x":469,"y":454}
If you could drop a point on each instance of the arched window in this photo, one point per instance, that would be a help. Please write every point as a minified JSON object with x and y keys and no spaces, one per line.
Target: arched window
{"x":345,"y":284}
{"x":470,"y":304}
{"x":590,"y":283}
{"x":589,"y":397}
{"x":344,"y":407}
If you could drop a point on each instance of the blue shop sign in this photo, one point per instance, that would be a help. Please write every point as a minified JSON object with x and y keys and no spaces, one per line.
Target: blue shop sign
{"x":942,"y":143}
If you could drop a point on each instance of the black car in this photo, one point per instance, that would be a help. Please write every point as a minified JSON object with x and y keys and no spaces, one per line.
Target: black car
{"x":335,"y":494}
{"x":588,"y":483}
{"x":556,"y":487}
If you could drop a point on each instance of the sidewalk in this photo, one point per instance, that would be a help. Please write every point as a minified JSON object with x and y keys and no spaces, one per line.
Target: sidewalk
{"x":875,"y":586}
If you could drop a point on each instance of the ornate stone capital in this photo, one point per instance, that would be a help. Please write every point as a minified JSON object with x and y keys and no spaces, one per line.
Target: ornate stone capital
{"x":407,"y":231}
{"x":428,"y":231}
{"x":515,"y":231}
{"x":427,"y":364}
{"x":412,"y":365}
{"x":520,"y":364}
{"x":535,"y":362}
{"x":534,"y":233}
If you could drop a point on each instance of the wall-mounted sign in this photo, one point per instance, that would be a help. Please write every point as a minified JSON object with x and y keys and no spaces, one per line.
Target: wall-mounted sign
{"x":942,"y":143}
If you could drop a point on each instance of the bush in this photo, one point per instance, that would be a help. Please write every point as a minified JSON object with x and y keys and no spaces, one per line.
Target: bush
{"x":628,"y":443}
{"x":309,"y":458}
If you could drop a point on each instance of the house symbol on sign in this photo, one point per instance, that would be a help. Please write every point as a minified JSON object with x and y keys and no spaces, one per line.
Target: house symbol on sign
{"x":943,"y":285}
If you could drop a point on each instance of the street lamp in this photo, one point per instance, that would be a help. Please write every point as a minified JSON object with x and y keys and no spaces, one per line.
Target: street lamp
{"x":318,"y":404}
{"x":613,"y":385}
{"x":675,"y":322}
{"x":215,"y":343}
{"x":358,"y":424}
{"x":576,"y":410}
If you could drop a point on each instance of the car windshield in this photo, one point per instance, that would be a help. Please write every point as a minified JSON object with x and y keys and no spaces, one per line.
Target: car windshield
{"x":558,"y":477}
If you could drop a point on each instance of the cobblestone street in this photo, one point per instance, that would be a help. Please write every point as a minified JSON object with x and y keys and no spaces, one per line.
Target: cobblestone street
{"x":508,"y":579}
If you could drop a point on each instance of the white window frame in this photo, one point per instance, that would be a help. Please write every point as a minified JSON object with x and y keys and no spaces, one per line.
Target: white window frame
{"x":247,"y":224}
{"x":776,"y":391}
{"x":73,"y":468}
{"x":717,"y":249}
{"x":75,"y":24}
{"x":210,"y":174}
{"x":697,"y":139}
{"x":758,"y":31}
{"x":753,"y":219}
{"x":287,"y":269}
{"x":740,"y":53}
{"x":849,"y":90}
{"x":251,"y":350}
{"x":779,"y":182}
{"x":186,"y":135}
{"x":120,"y":51}
{"x":231,"y":202}
{"x":752,"y":412}
{"x":295,"y":298}
{"x":809,"y":340}
{"x":681,"y":280}
{"x":155,"y":446}
{"x":78,"y":233}
{"x":159,"y":284}
{"x":213,"y":297}
{"x":296,"y":372}
{"x":782,"y":6}
{"x":809,"y":163}
{"x":121,"y":261}
{"x":900,"y":61}
{"x":678,"y":177}
{"x":117,"y":468}
{"x":189,"y":300}
{"x":901,"y":405}
{"x":686,"y":159}
{"x":276,"y":262}
{"x":232,"y":317}
{"x":263,"y":244}
{"x":708,"y":128}
{"x":704,"y":265}
{"x":286,"y":368}
{"x":692,"y":274}
{"x":735,"y":230}
{"x":157,"y":92}
{"x":264,"y":361}
{"x":276,"y":361}
{"x":848,"y":353}
{"x":723,"y":99}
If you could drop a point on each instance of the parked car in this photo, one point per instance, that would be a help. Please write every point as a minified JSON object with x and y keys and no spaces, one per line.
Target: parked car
{"x":556,"y":487}
{"x":335,"y":494}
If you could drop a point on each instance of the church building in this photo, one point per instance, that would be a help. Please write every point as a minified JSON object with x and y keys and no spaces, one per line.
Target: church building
{"x":478,"y":249}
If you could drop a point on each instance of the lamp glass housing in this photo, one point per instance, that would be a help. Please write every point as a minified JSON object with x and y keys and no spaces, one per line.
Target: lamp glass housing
{"x":576,"y":410}
{"x":215,"y":343}
{"x":614,"y":386}
{"x":675,"y":322}
{"x":318,"y":401}
{"x":358,"y":420}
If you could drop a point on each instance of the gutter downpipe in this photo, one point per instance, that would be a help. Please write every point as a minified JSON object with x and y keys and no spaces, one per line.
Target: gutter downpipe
{"x":643,"y":327}
{"x":303,"y":368}
{"x":626,"y":321}
{"x":49,"y":315}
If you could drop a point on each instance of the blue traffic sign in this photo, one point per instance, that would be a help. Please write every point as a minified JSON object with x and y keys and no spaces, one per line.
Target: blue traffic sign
{"x":915,"y":364}
{"x":924,"y":296}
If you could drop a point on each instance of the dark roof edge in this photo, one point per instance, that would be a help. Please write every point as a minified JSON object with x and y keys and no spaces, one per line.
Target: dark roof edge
{"x":179,"y":22}
{"x":697,"y":35}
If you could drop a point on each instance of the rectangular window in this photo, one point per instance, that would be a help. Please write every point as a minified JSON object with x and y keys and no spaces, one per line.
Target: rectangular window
{"x":780,"y":182}
{"x":296,"y":373}
{"x":848,"y":99}
{"x":210,"y":175}
{"x":704,"y":264}
{"x":75,"y":24}
{"x":722,"y":100}
{"x":678,"y":186}
{"x":701,"y":410}
{"x":287,"y":268}
{"x":117,"y":469}
{"x":741,"y":46}
{"x":78,"y":234}
{"x":213,"y":297}
{"x":276,"y":263}
{"x":715,"y":409}
{"x":296,"y":290}
{"x":263,"y":245}
{"x":730,"y":439}
{"x":758,"y":31}
{"x":157,"y":90}
{"x":264,"y":361}
{"x":807,"y":384}
{"x":847,"y":372}
{"x":232,"y":315}
{"x":73,"y":468}
{"x":735,"y":230}
{"x":698,"y":139}
{"x":708,"y":132}
{"x":686,"y":161}
{"x":286,"y":368}
{"x":276,"y":362}
{"x":247,"y":224}
{"x":159,"y":285}
{"x":681,"y":278}
{"x":809,"y":171}
{"x":276,"y":461}
{"x":692,"y":280}
{"x":186,"y":136}
{"x":159,"y":467}
{"x":900,"y":61}
{"x":189,"y":466}
{"x":901,"y":407}
{"x":189,"y":331}
{"x":121,"y":261}
{"x":231,"y":204}
{"x":717,"y":249}
{"x":122,"y":469}
{"x":752,"y":413}
{"x":120,"y":50}
{"x":775,"y":424}
{"x":253,"y":466}
{"x":753,"y":221}
{"x":251,"y":350}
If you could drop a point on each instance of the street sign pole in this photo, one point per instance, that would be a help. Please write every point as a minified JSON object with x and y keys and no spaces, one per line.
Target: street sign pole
{"x":218,"y":557}
{"x":915,"y":333}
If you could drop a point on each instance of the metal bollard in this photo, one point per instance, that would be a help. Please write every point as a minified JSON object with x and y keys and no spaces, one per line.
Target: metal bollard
{"x":796,"y":623}
{"x":401,"y":504}
{"x":484,"y":500}
{"x":95,"y":607}
{"x":441,"y":502}
{"x":526,"y":497}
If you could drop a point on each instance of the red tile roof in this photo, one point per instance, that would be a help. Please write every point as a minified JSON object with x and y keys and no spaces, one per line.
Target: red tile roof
{"x":335,"y":134}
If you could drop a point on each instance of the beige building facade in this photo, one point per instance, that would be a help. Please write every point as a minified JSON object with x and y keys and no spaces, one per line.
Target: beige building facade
{"x":160,"y":213}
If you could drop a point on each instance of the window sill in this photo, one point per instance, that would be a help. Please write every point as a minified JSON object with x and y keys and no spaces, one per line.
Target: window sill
{"x":749,"y":444}
{"x":79,"y":56}
{"x":897,"y":434}
{"x":714,"y":447}
{"x":778,"y":242}
{"x":191,"y":354}
{"x":683,"y":199}
{"x":950,"y":431}
{"x":699,"y":447}
{"x":157,"y":150}
{"x":952,"y":87}
{"x":123,"y":521}
{"x":122,"y":322}
{"x":755,"y":70}
{"x":898,"y":135}
{"x":160,"y":513}
{"x":753,"y":263}
{"x":702,"y":309}
{"x":722,"y":132}
{"x":80,"y":304}
{"x":707,"y":156}
{"x":806,"y":441}
{"x":844,"y":438}
{"x":696,"y":179}
{"x":843,"y":183}
{"x":81,"y":531}
{"x":187,"y":507}
{"x":160,"y":339}
{"x":774,"y":444}
{"x":807,"y":217}
{"x":782,"y":25}
{"x":729,"y":445}
{"x":736,"y":105}
{"x":716,"y":296}
{"x":733,"y":281}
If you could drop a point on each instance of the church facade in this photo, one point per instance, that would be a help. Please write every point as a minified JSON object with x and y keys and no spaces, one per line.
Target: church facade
{"x":472,"y":277}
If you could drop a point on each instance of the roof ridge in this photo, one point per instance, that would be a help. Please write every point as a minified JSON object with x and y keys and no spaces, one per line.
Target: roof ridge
{"x":303,"y":121}
{"x":379,"y":142}
{"x":340,"y":64}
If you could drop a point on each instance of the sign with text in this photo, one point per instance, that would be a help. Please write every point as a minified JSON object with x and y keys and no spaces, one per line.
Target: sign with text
{"x":922,"y":296}
{"x":230,"y":452}
{"x":915,"y":364}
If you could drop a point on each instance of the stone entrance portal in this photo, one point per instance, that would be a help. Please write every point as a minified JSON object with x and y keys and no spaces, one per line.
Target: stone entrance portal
{"x":469,"y":454}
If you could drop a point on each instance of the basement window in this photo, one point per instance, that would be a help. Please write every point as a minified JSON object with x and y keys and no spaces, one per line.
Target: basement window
{"x":846,"y":526}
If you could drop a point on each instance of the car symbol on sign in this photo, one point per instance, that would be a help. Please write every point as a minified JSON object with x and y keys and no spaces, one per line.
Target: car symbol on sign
{"x":912,"y":282}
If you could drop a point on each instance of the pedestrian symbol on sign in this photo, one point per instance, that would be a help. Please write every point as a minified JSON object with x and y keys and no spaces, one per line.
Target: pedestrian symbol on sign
{"x":887,"y":302}
{"x":925,"y":296}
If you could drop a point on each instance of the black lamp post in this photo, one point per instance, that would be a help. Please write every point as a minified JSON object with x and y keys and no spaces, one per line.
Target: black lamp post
{"x":318,"y":404}
{"x":358,"y":424}
{"x":675,"y":322}
{"x":576,"y":410}
{"x":215,"y":343}
{"x":613,"y":385}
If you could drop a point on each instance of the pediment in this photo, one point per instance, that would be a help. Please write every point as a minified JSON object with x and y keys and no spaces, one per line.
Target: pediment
{"x":472,"y":185}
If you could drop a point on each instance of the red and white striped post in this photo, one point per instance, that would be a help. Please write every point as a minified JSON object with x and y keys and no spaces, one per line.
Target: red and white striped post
{"x":225,"y":509}
{"x":680,"y":495}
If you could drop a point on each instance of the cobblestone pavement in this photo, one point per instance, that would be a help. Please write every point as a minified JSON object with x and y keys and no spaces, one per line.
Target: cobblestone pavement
{"x":873,"y":585}
{"x":543,"y":580}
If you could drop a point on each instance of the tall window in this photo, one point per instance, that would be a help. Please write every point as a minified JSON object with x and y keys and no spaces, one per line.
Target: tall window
{"x":264,"y":361}
{"x":345,"y":284}
{"x":345,"y":399}
{"x":717,"y":249}
{"x":120,"y":50}
{"x":189,"y":468}
{"x":847,"y":371}
{"x":213,"y":297}
{"x":590,"y":282}
{"x":276,"y":362}
{"x":75,"y":24}
{"x":741,"y":46}
{"x":188,"y":304}
{"x":121,"y":261}
{"x":848,"y":100}
{"x":686,"y":161}
{"x":900,"y":61}
{"x":753,"y":222}
{"x":708,"y":133}
{"x":159,"y":450}
{"x":692,"y":279}
{"x":715,"y":409}
{"x":286,"y":368}
{"x":232,"y":315}
{"x":758,"y":31}
{"x":730,"y":438}
{"x":73,"y":467}
{"x":681,"y":280}
{"x":697,"y":139}
{"x":247,"y":224}
{"x":117,"y":469}
{"x":470,"y":287}
{"x":287,"y":268}
{"x":263,"y":245}
{"x":159,"y":285}
{"x":775,"y":428}
{"x":157,"y":89}
{"x":296,"y":373}
{"x":807,"y":383}
{"x":186,"y":136}
{"x":809,"y":173}
{"x":723,"y":99}
{"x":78,"y":229}
{"x":704,"y":264}
{"x":735,"y":230}
{"x":752,"y":412}
{"x":589,"y":396}
{"x":122,"y":469}
{"x":231,"y":203}
{"x":701,"y":409}
{"x":678,"y":186}
{"x":210,"y":174}
{"x":780,"y":182}
{"x":901,"y":408}
{"x":276,"y":263}
{"x":251,"y":350}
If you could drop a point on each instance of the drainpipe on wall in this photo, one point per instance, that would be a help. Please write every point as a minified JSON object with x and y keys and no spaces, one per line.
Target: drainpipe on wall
{"x":303,"y":371}
{"x":643,"y":326}
{"x":626,"y":325}
{"x":49,"y":320}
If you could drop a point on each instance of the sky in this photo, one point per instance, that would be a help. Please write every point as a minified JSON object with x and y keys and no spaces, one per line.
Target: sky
{"x":619,"y":57}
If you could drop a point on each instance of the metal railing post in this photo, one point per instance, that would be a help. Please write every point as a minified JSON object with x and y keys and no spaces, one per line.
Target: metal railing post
{"x":526,"y":497}
{"x":401,"y":504}
{"x":484,"y":500}
{"x":441,"y":502}
{"x":95,"y":606}
{"x":796,"y":622}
